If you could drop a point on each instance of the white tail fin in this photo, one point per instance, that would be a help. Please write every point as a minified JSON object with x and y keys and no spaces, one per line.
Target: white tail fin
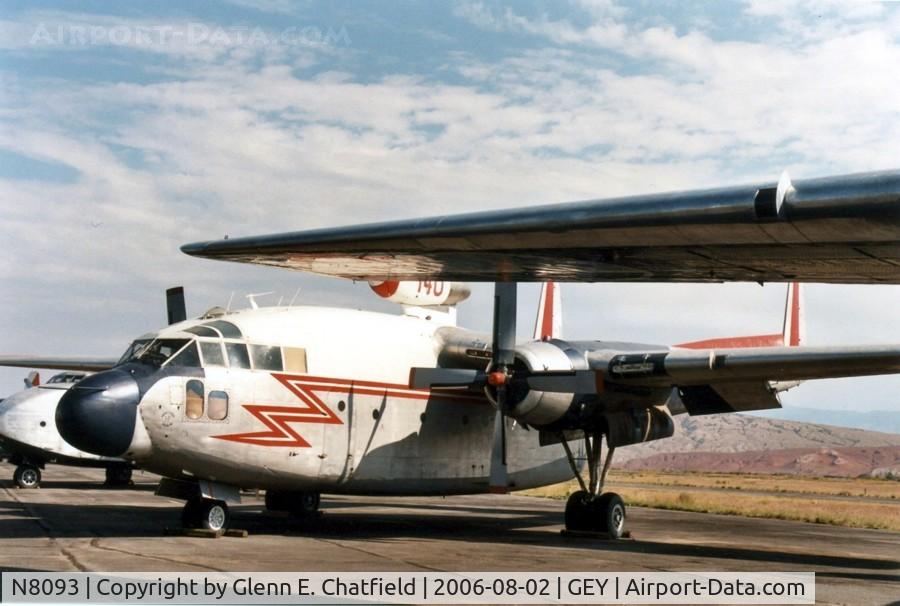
{"x":794,"y":332}
{"x":548,"y":324}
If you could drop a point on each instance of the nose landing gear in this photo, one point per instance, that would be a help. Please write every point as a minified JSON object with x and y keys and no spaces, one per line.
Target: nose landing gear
{"x":118,"y":475}
{"x":27,"y":476}
{"x":590,"y":509}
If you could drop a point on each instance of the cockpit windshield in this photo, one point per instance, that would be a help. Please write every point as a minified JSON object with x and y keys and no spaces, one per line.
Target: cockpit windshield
{"x":154,"y":352}
{"x":66,"y":377}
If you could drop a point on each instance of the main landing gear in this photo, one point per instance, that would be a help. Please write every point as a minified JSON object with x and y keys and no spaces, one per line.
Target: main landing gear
{"x":205,"y":514}
{"x":27,"y":476}
{"x":298,"y":503}
{"x":590,"y":509}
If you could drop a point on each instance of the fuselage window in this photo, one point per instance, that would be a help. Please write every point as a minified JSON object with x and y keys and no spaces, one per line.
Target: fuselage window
{"x":217,"y":408}
{"x":294,"y":359}
{"x":228,"y":330}
{"x":237,"y":355}
{"x":193,"y":400}
{"x":212,"y":354}
{"x":266,"y":357}
{"x":187,"y":357}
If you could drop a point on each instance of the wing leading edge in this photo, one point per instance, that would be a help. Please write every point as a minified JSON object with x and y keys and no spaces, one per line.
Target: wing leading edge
{"x":838,"y":230}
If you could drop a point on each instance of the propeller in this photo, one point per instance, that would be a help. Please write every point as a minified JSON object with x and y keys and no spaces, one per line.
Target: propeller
{"x":502,"y":381}
{"x":175,"y":305}
{"x":503,"y":356}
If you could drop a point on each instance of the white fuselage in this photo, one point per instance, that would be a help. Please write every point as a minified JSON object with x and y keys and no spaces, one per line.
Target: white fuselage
{"x":28,"y":429}
{"x":333,"y":413}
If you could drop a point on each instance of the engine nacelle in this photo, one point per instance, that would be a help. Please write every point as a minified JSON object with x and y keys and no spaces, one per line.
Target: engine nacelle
{"x":542,"y":407}
{"x":422,"y":293}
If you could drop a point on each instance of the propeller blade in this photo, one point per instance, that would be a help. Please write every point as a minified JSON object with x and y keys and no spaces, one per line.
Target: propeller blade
{"x":175,"y":305}
{"x":443,"y":378}
{"x":503,"y":348}
{"x":504,"y":337}
{"x":499,"y":477}
{"x":573,"y":381}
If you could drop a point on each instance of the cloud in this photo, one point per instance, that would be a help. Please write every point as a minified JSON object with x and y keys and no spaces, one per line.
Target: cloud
{"x":200,"y":140}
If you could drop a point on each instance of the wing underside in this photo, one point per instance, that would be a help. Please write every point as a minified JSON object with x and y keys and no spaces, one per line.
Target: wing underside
{"x":838,"y":230}
{"x":711,"y":381}
{"x":53,"y":363}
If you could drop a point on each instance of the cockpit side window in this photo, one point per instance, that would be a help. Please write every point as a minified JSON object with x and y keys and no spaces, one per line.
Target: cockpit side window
{"x":212,"y":353}
{"x":237,"y":355}
{"x":266,"y":357}
{"x":187,"y":357}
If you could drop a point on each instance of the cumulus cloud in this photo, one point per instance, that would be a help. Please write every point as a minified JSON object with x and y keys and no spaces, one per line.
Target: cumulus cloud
{"x":224,"y":136}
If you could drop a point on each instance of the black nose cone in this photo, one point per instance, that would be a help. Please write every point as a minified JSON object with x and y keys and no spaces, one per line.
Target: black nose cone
{"x":98,"y":414}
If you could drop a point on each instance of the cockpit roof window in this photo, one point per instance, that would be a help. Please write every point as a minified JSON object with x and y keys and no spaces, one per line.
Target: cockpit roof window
{"x":228,"y":330}
{"x":203,"y":331}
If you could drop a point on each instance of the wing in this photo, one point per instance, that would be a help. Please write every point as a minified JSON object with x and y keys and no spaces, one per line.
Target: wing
{"x":838,"y":229}
{"x":711,"y":381}
{"x":87,"y":364}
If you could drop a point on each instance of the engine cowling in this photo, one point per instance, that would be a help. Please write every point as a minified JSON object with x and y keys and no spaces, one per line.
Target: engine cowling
{"x":612,"y":412}
{"x":534,"y":407}
{"x":423,"y":293}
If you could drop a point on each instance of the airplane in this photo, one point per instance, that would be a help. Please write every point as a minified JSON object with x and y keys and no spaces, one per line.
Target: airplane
{"x":29,"y":436}
{"x":28,"y":431}
{"x":299,"y":401}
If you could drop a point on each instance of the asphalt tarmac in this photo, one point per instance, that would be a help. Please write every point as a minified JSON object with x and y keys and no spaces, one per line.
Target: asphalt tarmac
{"x":73,"y":523}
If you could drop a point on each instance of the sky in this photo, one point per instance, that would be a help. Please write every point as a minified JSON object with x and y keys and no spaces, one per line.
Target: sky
{"x":128,"y":129}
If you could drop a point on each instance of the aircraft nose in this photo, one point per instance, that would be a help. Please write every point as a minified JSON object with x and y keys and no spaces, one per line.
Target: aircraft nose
{"x":98,"y":414}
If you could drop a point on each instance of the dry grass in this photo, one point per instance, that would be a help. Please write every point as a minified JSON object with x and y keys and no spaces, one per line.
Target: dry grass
{"x":845,"y":487}
{"x":721,"y":494}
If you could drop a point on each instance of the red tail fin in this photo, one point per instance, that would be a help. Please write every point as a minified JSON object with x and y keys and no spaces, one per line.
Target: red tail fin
{"x":548,"y":324}
{"x":792,"y":334}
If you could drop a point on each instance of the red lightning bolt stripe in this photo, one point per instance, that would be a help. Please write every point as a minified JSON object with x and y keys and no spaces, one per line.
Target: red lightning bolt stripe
{"x":279,"y":418}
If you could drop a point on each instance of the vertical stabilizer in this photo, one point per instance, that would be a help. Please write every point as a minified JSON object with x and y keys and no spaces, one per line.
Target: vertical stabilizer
{"x":548,"y":324}
{"x":794,"y":332}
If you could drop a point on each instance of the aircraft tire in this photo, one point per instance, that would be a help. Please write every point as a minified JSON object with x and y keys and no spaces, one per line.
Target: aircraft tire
{"x":305,"y":504}
{"x":118,"y":475}
{"x":578,"y":511}
{"x":276,"y":500}
{"x":609,"y":512}
{"x":300,"y":504}
{"x":205,"y":514}
{"x":27,"y":476}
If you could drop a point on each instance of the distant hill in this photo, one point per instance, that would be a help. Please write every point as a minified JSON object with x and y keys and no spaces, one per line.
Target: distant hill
{"x":754,"y":444}
{"x":887,"y":421}
{"x":881,"y":461}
